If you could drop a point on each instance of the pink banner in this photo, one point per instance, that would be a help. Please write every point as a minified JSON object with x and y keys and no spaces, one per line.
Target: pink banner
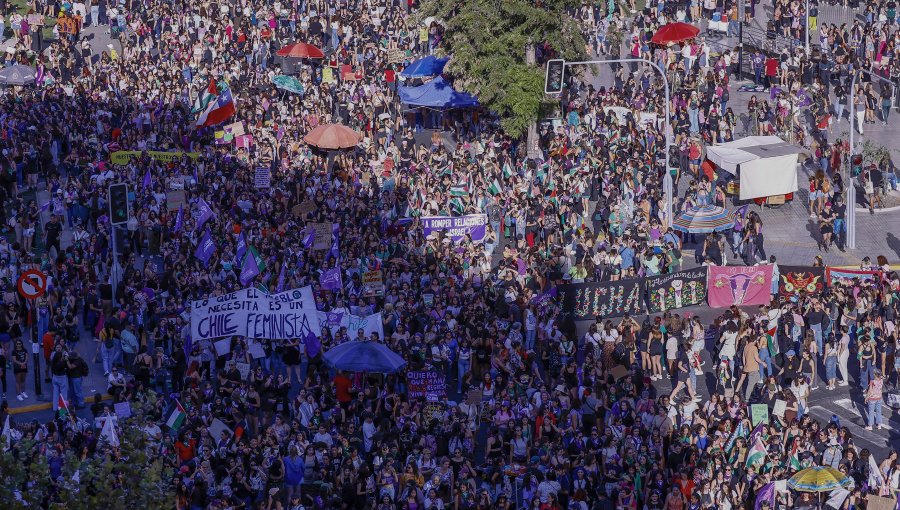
{"x":739,"y":285}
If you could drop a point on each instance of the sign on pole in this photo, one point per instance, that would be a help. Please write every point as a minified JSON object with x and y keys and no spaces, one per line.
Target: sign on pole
{"x":553,"y":82}
{"x":32,"y":284}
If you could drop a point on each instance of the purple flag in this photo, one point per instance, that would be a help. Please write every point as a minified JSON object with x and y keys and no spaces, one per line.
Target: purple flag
{"x":335,"y":318}
{"x":179,"y":219}
{"x":335,"y":250}
{"x":206,"y":213}
{"x":313,"y":346}
{"x":331,"y":279}
{"x":250,"y":270}
{"x":241,"y":246}
{"x":206,"y":248}
{"x":280,"y":286}
{"x":147,"y":179}
{"x":45,"y":207}
{"x":309,"y":239}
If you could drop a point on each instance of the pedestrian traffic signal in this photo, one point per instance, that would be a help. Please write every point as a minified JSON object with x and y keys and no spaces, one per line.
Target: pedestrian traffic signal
{"x":553,"y":83}
{"x":118,"y":203}
{"x":856,"y":164}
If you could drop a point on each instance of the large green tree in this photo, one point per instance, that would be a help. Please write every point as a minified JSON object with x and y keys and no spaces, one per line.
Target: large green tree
{"x":491,"y":43}
{"x":133,"y":476}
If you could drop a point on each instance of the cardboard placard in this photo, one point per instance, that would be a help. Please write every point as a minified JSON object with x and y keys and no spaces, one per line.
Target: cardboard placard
{"x":759,"y":413}
{"x":779,"y":408}
{"x":396,"y":55}
{"x":432,"y":411}
{"x":244,"y":369}
{"x":303,"y":208}
{"x":373,"y":283}
{"x":222,"y":347}
{"x":216,"y":429}
{"x":235,"y":128}
{"x":35,"y":20}
{"x":880,"y":502}
{"x":263,"y":178}
{"x":255,"y":349}
{"x":123,"y":409}
{"x":322,"y":235}
{"x":175,"y":200}
{"x":243,"y":141}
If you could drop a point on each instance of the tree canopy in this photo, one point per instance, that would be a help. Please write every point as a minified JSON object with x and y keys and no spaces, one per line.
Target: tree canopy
{"x":488,"y":42}
{"x":134,"y":475}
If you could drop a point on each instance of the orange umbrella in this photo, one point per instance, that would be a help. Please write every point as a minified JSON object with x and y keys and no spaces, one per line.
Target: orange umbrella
{"x":300,"y":50}
{"x":332,"y":136}
{"x":674,"y":33}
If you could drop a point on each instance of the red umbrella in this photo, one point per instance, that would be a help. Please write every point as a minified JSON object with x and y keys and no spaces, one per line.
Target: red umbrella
{"x":674,"y":33}
{"x":332,"y":136}
{"x":300,"y":50}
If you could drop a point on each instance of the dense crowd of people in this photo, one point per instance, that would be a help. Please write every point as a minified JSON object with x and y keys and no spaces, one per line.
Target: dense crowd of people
{"x":558,"y":419}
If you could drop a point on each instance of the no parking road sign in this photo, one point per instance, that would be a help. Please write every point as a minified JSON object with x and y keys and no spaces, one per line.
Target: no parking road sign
{"x":32,"y":284}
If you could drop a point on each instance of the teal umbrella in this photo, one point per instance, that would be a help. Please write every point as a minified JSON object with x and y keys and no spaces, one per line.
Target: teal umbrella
{"x":288,"y":83}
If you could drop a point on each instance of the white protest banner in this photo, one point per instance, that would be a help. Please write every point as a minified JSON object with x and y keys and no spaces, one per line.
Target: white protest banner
{"x":353,"y":323}
{"x":252,"y":313}
{"x":369,"y":324}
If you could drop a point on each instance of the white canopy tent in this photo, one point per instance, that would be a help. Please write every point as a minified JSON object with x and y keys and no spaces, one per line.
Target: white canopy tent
{"x":766,"y":165}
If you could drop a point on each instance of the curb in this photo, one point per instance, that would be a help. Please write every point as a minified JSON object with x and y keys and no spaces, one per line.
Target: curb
{"x":877,"y":211}
{"x":43,"y":406}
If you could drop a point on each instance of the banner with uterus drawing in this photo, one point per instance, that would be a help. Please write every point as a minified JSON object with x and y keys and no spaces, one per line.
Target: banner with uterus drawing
{"x":739,"y":285}
{"x":676,"y":290}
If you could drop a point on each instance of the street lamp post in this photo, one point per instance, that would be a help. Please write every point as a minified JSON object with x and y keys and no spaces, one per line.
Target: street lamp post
{"x":851,"y":188}
{"x":668,"y":185}
{"x":806,"y":28}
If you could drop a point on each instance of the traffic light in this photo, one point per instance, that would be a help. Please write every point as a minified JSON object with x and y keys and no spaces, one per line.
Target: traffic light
{"x":118,"y":203}
{"x":856,"y":164}
{"x":553,"y":83}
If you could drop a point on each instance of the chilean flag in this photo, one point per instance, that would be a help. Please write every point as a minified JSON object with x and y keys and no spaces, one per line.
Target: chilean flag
{"x":219,"y":110}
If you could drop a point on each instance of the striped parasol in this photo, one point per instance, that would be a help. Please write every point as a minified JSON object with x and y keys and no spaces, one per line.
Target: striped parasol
{"x":818,"y":479}
{"x":704,"y":219}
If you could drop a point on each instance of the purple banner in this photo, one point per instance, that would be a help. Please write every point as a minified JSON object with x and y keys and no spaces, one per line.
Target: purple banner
{"x":457,"y":227}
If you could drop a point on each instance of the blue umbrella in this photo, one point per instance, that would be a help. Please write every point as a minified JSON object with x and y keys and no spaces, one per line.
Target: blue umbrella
{"x":427,"y":66}
{"x":364,"y":356}
{"x":288,"y":83}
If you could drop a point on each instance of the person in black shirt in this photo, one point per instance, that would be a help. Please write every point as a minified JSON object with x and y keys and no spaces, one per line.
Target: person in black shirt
{"x":53,"y":229}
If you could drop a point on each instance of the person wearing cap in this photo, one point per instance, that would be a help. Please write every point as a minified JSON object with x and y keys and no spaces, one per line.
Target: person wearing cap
{"x":791,"y":368}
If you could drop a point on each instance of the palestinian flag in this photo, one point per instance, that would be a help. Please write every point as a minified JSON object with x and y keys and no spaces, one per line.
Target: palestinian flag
{"x":507,"y":170}
{"x":458,"y":205}
{"x":460,"y":189}
{"x":176,"y":416}
{"x":494,"y":188}
{"x":205,"y":97}
{"x":757,"y":453}
{"x":63,"y":407}
{"x":260,"y":262}
{"x":738,"y":432}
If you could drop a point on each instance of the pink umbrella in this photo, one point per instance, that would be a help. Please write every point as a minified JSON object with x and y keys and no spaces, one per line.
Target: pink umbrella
{"x":332,"y":136}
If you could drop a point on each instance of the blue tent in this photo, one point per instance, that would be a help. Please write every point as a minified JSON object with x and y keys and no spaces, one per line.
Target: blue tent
{"x":436,"y":94}
{"x":428,"y":66}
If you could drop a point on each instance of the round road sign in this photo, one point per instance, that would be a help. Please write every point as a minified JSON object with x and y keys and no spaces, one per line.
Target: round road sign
{"x":32,"y":284}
